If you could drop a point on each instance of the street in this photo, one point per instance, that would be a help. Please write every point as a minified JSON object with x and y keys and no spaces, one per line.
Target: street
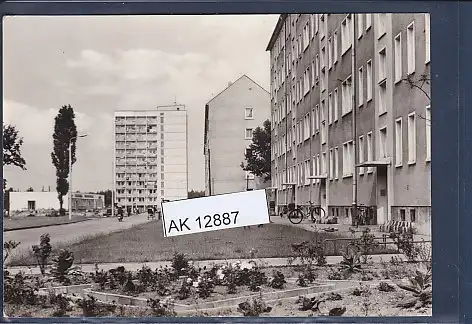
{"x":70,"y":232}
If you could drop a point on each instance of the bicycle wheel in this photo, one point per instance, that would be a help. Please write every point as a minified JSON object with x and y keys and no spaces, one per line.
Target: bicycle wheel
{"x":295,"y":216}
{"x":318,"y":213}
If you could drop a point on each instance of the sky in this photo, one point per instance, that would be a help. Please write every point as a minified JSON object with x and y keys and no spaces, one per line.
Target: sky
{"x":99,"y":64}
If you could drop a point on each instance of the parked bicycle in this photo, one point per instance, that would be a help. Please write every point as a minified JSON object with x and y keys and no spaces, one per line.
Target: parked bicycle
{"x":316,"y":213}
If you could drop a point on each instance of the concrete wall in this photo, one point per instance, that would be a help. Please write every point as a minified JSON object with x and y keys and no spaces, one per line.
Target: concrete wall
{"x":226,"y":133}
{"x":43,"y":200}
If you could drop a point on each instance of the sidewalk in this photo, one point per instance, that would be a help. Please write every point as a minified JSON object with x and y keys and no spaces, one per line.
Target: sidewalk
{"x":266,"y":262}
{"x":343,"y":229}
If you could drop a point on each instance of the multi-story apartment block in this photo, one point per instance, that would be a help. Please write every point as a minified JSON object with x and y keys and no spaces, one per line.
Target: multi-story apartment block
{"x":150,"y":156}
{"x":230,"y":118}
{"x":330,"y":72}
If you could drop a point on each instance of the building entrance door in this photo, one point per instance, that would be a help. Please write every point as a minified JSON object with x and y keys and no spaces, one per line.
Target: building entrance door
{"x":382,"y":195}
{"x":323,"y":200}
{"x":31,"y":205}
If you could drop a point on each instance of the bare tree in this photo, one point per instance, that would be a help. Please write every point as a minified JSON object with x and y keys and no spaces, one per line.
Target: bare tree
{"x":422,"y":84}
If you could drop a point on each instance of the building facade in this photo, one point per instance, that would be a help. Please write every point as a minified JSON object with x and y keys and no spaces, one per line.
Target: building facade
{"x":350,"y":103}
{"x":150,"y":156}
{"x":30,"y":201}
{"x":230,"y":119}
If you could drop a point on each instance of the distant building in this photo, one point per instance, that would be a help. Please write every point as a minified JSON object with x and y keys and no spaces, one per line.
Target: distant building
{"x":314,"y":88}
{"x":23,"y":201}
{"x":150,"y":156}
{"x":230,"y":119}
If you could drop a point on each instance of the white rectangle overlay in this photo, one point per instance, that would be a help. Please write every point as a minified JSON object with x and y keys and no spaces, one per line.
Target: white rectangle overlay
{"x":214,"y":213}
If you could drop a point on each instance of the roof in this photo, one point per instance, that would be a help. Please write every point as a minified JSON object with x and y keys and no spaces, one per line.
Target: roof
{"x":229,"y":86}
{"x":276,"y":32}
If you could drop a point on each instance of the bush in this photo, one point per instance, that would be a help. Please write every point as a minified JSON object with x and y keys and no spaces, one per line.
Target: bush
{"x":309,"y":253}
{"x":62,"y":305}
{"x":385,"y":287}
{"x":42,"y":252}
{"x":19,"y":290}
{"x":161,"y":308}
{"x":92,"y":308}
{"x":205,"y":287}
{"x":185,"y":289}
{"x":254,"y":308}
{"x":366,"y":245}
{"x":278,"y":280}
{"x":180,"y":264}
{"x":307,"y":304}
{"x":61,"y":266}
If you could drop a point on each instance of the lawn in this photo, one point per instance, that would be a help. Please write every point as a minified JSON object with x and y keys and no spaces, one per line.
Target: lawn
{"x":146,"y":243}
{"x":16,"y":223}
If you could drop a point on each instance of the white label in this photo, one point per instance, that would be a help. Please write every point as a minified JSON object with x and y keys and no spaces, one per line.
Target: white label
{"x":214,"y":213}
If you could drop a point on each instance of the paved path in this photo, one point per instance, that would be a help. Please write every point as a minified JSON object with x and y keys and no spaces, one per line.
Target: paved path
{"x":268,"y":262}
{"x":70,"y":232}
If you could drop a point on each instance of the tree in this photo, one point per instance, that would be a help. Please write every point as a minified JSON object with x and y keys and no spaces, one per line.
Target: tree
{"x":30,"y":189}
{"x":258,"y":155}
{"x":65,"y":132}
{"x":12,"y":147}
{"x":195,"y":194}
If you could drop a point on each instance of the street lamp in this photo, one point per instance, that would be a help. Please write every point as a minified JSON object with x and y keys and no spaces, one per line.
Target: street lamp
{"x":70,"y":173}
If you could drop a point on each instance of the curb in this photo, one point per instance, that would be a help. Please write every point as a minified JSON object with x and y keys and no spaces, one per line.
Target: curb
{"x":46,"y":225}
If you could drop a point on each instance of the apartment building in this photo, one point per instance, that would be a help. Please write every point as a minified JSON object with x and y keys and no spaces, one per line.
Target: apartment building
{"x":230,"y":119}
{"x":150,"y":156}
{"x":350,"y":100}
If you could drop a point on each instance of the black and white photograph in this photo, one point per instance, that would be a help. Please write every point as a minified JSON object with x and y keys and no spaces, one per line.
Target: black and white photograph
{"x":217,"y":165}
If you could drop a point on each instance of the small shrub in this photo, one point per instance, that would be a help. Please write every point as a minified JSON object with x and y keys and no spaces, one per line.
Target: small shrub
{"x":8,"y":248}
{"x":61,"y":265}
{"x":257,"y":279}
{"x":146,"y":277}
{"x":254,"y":308}
{"x":307,"y":304}
{"x":92,"y":308}
{"x":129,"y":286}
{"x":420,"y":286}
{"x":334,"y":297}
{"x":42,"y":252}
{"x":337,"y":311}
{"x":302,"y":281}
{"x":386,"y":287}
{"x":278,"y":280}
{"x":309,"y":253}
{"x":101,"y":277}
{"x":161,"y":308}
{"x":337,"y":274}
{"x":185,"y":289}
{"x":180,"y":264}
{"x":205,"y":287}
{"x":19,"y":290}
{"x":119,"y":276}
{"x":62,"y":305}
{"x":351,"y":262}
{"x":366,"y":245}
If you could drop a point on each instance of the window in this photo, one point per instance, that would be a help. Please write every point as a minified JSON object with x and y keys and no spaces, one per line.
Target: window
{"x":335,"y":104}
{"x":411,"y":138}
{"x":383,"y":143}
{"x":330,"y":108}
{"x":370,"y":151}
{"x":369,"y":80}
{"x":336,"y":163}
{"x":383,"y":97}
{"x":316,"y":21}
{"x":323,"y":80}
{"x":330,"y":53}
{"x":324,"y":126}
{"x":249,"y":113}
{"x":306,"y":37}
{"x":382,"y":21}
{"x":410,"y":48}
{"x":318,"y":169}
{"x":361,"y":153}
{"x":360,"y":25}
{"x":346,"y":96}
{"x":382,"y":64}
{"x":368,"y":21}
{"x":412,"y":215}
{"x":331,"y":164}
{"x":248,"y":133}
{"x":317,"y":67}
{"x":346,"y":34}
{"x":307,"y":172}
{"x":317,"y":117}
{"x":323,"y":58}
{"x":402,"y":215}
{"x":347,"y":159}
{"x":323,"y":26}
{"x":398,"y":57}
{"x":335,"y":47}
{"x":306,"y":82}
{"x":361,"y":86}
{"x":398,"y":142}
{"x":323,"y":164}
{"x":427,"y":37}
{"x":428,"y":133}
